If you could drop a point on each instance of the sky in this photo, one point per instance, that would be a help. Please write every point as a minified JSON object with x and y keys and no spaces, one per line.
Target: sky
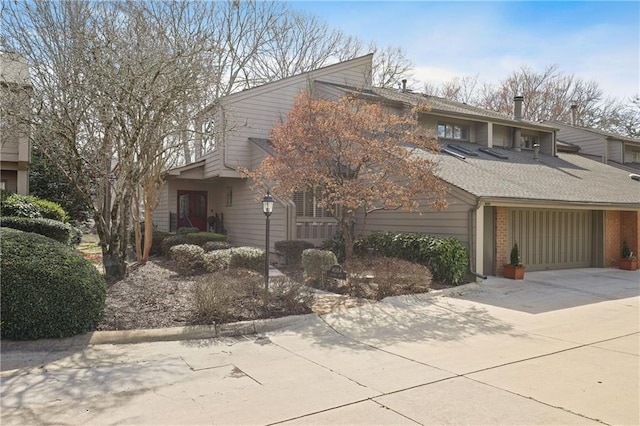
{"x":594,"y":40}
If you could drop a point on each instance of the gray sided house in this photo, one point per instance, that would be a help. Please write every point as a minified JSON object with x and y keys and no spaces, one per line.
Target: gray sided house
{"x":15,"y":148}
{"x":609,"y":148}
{"x":507,"y":183}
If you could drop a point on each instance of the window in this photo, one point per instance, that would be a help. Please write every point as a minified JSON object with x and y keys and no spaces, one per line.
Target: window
{"x":528,"y":141}
{"x":229,"y":196}
{"x":307,"y":205}
{"x":453,"y":131}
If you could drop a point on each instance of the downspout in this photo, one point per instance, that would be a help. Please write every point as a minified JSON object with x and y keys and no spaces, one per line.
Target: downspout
{"x":472,"y":240}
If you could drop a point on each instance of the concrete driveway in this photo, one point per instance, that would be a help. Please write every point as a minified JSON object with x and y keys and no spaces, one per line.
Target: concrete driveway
{"x":558,"y":348}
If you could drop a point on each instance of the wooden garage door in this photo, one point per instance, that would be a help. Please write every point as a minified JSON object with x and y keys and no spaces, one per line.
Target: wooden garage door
{"x":552,"y":239}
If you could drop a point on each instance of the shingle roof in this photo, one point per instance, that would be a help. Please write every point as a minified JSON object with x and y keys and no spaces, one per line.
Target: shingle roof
{"x":566,"y":178}
{"x":443,"y":105}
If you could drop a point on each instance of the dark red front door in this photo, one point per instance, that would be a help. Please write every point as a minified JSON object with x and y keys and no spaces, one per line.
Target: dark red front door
{"x":192,"y":209}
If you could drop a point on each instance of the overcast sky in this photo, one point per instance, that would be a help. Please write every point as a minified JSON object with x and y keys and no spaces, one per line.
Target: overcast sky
{"x":595,"y":40}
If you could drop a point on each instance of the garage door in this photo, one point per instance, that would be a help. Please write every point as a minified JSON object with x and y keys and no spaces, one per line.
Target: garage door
{"x":552,"y":239}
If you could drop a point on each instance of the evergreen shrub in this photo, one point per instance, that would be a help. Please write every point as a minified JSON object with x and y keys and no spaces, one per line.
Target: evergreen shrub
{"x":48,"y":289}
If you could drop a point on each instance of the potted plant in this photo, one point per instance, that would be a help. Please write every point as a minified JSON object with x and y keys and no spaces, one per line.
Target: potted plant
{"x":628,"y":260}
{"x":514,"y":269}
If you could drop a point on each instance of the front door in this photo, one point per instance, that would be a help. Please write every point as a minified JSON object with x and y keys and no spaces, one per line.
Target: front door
{"x":192,"y":209}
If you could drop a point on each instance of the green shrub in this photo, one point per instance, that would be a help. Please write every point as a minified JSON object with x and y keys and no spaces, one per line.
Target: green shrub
{"x":216,"y":245}
{"x":448,"y":260}
{"x":48,"y":289}
{"x":75,"y":237}
{"x":156,"y":243}
{"x":4,"y":194}
{"x":62,"y":232}
{"x":316,"y":263}
{"x":187,"y":230}
{"x":33,"y":207}
{"x":217,"y":260}
{"x":445,"y":257}
{"x":195,"y":238}
{"x":250,"y":258}
{"x":292,"y":250}
{"x":188,"y":259}
{"x":201,"y":238}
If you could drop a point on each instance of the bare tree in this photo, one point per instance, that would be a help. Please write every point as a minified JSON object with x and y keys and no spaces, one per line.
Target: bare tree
{"x":548,"y":96}
{"x":108,"y":81}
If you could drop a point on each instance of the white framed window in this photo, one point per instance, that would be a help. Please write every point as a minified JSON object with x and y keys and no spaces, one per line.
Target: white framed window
{"x":453,"y":131}
{"x":307,"y":205}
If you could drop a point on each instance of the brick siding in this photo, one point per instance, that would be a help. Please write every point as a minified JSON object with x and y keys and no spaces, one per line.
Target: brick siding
{"x":502,"y":251}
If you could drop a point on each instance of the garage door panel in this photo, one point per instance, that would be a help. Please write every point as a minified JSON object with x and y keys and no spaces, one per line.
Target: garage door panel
{"x":552,"y":239}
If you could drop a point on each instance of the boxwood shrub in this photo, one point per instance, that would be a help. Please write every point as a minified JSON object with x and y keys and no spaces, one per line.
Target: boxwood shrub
{"x":62,"y":232}
{"x":316,"y":263}
{"x":188,"y":259}
{"x":445,"y":257}
{"x":195,"y":238}
{"x":33,"y":207}
{"x":250,"y":258}
{"x":48,"y":289}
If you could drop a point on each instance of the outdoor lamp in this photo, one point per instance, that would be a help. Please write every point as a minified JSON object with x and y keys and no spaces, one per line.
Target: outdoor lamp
{"x":267,"y":209}
{"x":267,"y":204}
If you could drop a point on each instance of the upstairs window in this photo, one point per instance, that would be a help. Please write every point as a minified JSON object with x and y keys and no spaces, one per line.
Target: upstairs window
{"x":307,"y":205}
{"x":453,"y":131}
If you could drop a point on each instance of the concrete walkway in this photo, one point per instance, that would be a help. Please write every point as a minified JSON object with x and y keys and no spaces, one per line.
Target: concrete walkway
{"x":558,"y":348}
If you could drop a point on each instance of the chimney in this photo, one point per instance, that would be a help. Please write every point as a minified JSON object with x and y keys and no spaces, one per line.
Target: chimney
{"x":574,"y":114}
{"x":404,"y":85}
{"x":536,"y":151}
{"x":517,"y":107}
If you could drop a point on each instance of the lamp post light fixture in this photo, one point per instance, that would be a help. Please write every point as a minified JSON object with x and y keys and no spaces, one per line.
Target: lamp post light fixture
{"x":267,"y":209}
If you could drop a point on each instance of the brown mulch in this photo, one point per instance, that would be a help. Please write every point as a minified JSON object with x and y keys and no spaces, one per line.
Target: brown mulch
{"x":151,"y":296}
{"x":154,"y":296}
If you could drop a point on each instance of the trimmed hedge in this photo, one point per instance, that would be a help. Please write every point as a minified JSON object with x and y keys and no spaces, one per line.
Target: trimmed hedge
{"x":316,"y":263}
{"x":250,"y":258}
{"x":29,"y":206}
{"x":48,"y":289}
{"x":188,"y":259}
{"x":195,"y":238}
{"x":216,"y":245}
{"x":445,"y":257}
{"x":62,"y":232}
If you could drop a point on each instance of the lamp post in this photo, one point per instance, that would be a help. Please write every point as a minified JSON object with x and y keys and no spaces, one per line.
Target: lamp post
{"x":267,"y":209}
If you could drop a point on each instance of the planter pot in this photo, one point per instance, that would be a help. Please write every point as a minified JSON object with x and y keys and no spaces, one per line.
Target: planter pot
{"x":513,"y":272}
{"x":628,"y":264}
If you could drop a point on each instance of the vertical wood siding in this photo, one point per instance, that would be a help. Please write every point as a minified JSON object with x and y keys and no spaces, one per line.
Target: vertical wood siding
{"x":551,"y":239}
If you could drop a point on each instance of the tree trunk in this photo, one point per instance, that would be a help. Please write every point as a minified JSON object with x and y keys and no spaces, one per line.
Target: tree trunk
{"x":148,"y":233}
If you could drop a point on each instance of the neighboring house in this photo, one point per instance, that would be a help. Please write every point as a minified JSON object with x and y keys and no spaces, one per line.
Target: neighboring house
{"x":610,"y":148}
{"x":506,"y":181}
{"x":15,"y":149}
